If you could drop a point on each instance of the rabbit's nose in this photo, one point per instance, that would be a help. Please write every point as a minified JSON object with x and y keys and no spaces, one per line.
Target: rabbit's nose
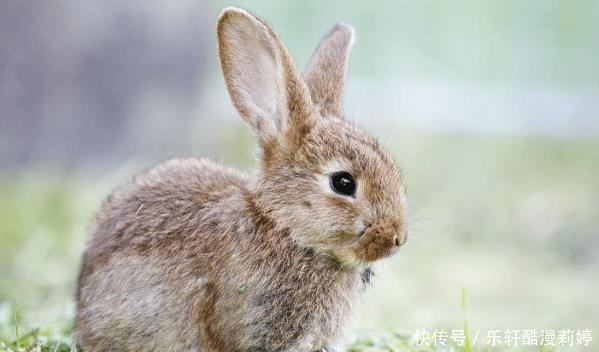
{"x":401,"y":238}
{"x":379,"y":240}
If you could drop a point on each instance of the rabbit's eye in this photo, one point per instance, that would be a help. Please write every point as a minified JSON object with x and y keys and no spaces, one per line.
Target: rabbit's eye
{"x":343,"y":182}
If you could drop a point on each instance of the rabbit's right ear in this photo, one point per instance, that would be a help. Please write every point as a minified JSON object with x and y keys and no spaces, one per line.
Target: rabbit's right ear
{"x":327,"y":70}
{"x":262,"y":81}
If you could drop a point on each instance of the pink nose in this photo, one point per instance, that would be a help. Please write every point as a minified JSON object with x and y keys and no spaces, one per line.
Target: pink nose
{"x":380,"y":240}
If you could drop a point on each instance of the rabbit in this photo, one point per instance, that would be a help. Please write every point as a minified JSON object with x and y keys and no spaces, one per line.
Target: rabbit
{"x":196,"y":256}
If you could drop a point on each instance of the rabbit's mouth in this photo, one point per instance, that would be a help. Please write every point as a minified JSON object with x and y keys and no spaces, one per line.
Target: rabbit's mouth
{"x":379,"y":240}
{"x":361,"y":233}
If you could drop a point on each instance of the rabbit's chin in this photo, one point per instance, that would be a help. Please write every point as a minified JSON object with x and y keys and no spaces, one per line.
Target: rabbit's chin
{"x":364,"y":252}
{"x":349,"y":259}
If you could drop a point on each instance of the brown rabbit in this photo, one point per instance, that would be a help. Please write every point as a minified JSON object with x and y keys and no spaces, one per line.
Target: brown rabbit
{"x":195,"y":256}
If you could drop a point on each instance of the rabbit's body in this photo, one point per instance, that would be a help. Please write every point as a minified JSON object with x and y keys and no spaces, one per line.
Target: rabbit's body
{"x":165,"y":273}
{"x":193,"y":256}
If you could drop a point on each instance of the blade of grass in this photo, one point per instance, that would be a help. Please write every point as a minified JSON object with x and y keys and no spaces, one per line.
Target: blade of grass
{"x":18,"y":345}
{"x":467,"y":342}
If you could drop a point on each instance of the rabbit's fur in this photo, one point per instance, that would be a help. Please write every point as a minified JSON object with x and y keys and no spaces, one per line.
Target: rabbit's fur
{"x":194,"y":256}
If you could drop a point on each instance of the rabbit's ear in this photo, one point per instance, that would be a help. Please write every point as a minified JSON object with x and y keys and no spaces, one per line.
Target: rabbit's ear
{"x":261,"y":78}
{"x":327,"y":70}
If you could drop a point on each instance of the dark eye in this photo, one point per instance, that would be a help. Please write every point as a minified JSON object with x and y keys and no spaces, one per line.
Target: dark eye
{"x":343,"y":182}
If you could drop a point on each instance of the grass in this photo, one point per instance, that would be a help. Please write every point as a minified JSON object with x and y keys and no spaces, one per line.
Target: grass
{"x":45,"y":340}
{"x":37,"y":340}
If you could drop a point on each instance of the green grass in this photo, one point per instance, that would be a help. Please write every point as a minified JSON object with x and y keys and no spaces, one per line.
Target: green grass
{"x":45,"y":341}
{"x":50,"y":340}
{"x":37,"y":340}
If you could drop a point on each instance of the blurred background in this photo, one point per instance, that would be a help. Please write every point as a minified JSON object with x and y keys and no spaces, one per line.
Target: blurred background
{"x":491,"y":108}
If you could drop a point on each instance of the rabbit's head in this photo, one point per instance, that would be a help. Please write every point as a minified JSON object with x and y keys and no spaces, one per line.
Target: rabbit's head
{"x":322,"y":179}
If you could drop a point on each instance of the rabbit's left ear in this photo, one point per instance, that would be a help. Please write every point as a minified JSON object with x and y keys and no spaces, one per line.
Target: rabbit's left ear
{"x":261,"y":77}
{"x":327,"y":70}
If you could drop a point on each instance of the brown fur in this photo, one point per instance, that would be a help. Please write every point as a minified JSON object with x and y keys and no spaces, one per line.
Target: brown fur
{"x":194,"y":256}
